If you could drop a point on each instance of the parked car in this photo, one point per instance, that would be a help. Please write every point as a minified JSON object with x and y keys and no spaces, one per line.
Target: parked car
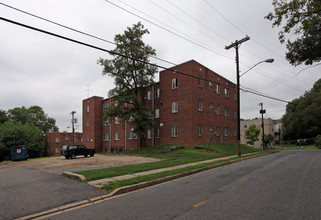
{"x":71,"y":151}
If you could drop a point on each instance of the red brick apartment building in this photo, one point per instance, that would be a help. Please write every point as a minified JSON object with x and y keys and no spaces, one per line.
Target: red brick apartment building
{"x":188,"y":109}
{"x":55,"y":140}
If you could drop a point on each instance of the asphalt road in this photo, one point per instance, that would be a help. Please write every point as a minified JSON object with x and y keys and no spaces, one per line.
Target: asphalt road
{"x":284,"y":185}
{"x":25,"y":191}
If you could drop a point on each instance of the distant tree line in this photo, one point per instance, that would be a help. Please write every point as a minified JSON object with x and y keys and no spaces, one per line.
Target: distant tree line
{"x":303,"y":115}
{"x":24,"y":126}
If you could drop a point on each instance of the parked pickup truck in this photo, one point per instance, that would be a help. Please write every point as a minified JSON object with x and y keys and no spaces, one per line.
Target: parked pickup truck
{"x":71,"y":151}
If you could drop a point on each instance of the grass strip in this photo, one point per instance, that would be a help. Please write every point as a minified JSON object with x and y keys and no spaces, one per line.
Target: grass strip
{"x":168,"y":158}
{"x":140,"y":179}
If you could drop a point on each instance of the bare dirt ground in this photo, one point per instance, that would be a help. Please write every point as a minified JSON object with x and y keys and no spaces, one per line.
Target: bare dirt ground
{"x":60,"y":164}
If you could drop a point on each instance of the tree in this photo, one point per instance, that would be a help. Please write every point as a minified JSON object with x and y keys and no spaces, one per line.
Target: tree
{"x":3,"y":116}
{"x":302,"y":18}
{"x":268,"y":139}
{"x":34,"y":115}
{"x":302,"y":118}
{"x":132,"y":76}
{"x":252,"y":134}
{"x":16,"y":133}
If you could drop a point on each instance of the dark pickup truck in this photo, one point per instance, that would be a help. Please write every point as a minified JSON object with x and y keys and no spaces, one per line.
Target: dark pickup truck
{"x":71,"y":151}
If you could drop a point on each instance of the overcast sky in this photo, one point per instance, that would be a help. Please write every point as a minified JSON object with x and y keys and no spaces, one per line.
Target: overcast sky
{"x":38,"y":69}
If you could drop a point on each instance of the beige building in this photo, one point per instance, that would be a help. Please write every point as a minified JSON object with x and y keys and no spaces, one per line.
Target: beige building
{"x":270,"y":127}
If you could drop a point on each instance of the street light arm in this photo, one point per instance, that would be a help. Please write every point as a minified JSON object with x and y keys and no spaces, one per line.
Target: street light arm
{"x":266,"y":61}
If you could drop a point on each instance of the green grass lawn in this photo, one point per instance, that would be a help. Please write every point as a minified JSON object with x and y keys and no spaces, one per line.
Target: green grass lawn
{"x":168,"y":158}
{"x":295,"y":147}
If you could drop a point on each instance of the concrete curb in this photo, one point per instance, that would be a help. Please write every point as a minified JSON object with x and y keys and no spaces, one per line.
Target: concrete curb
{"x":126,"y":189}
{"x":74,"y":176}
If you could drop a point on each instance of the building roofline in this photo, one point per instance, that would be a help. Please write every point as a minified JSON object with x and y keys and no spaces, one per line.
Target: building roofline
{"x":192,"y":60}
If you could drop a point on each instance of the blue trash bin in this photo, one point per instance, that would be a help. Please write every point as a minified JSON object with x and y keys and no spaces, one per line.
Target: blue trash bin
{"x":19,"y":152}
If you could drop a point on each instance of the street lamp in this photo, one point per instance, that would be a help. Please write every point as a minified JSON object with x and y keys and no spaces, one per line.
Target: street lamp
{"x":266,"y":61}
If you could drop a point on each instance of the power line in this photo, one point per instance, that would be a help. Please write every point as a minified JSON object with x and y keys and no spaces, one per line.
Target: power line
{"x":172,"y":32}
{"x":102,"y":49}
{"x":115,"y":53}
{"x":72,"y":29}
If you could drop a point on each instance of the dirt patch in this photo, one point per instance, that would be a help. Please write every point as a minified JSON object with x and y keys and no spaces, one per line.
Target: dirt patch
{"x":80,"y":161}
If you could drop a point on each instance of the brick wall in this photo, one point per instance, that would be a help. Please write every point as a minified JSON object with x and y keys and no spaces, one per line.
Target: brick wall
{"x":54,"y":141}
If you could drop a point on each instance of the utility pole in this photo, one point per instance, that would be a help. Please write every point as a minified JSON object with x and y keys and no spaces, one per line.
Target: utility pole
{"x":73,"y":121}
{"x":236,"y":45}
{"x":262,"y":111}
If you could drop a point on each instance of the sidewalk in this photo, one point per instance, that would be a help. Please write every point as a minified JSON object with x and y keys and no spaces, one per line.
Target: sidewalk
{"x":101,"y":182}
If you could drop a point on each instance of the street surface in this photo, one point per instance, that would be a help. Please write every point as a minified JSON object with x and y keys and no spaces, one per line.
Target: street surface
{"x":283,"y":185}
{"x":28,"y":187}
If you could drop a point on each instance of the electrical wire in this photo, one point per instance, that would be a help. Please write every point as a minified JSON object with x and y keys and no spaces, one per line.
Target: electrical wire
{"x":73,"y":29}
{"x":172,"y":32}
{"x":118,"y":54}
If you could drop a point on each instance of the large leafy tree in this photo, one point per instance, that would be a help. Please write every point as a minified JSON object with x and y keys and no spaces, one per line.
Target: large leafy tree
{"x":302,"y":118}
{"x":34,"y":115}
{"x":303,"y":19}
{"x":3,"y":116}
{"x":132,"y":76}
{"x":16,"y":133}
{"x":252,"y":134}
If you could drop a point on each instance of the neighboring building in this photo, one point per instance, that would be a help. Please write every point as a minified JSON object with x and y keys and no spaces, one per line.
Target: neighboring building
{"x":270,"y":127}
{"x":187,"y":110}
{"x":55,"y":140}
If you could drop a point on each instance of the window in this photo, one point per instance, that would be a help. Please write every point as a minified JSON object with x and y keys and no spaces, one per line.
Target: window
{"x":200,"y":81}
{"x":225,"y":131}
{"x":226,"y":92}
{"x":88,"y":123}
{"x":235,"y":97}
{"x":157,"y":113}
{"x":210,"y":128}
{"x":245,"y":126}
{"x":57,"y":149}
{"x":226,"y":112}
{"x":66,"y":138}
{"x":174,"y":83}
{"x":88,"y":137}
{"x":217,"y":110}
{"x":235,"y":114}
{"x":106,"y":122}
{"x":174,"y":131}
{"x":117,"y":121}
{"x":234,"y":131}
{"x":210,"y":83}
{"x":217,"y":89}
{"x":116,"y":136}
{"x":211,"y":105}
{"x":200,"y":105}
{"x":106,"y":105}
{"x":156,"y":133}
{"x":149,"y":134}
{"x":106,"y":137}
{"x":199,"y":130}
{"x":157,"y":93}
{"x":174,"y":107}
{"x":149,"y":95}
{"x":87,"y":108}
{"x":217,"y":131}
{"x":132,"y":135}
{"x":116,"y":103}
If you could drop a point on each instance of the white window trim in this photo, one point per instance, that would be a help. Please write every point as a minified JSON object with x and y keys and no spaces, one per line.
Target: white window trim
{"x":157,"y":113}
{"x":174,"y":83}
{"x":174,"y":107}
{"x":174,"y":131}
{"x":200,"y":105}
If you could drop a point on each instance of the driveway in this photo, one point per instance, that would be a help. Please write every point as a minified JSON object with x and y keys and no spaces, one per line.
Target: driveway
{"x":32,"y":186}
{"x":60,"y":164}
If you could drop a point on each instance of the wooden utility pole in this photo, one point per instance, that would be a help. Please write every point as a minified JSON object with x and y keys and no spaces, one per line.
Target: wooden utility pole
{"x":236,"y":45}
